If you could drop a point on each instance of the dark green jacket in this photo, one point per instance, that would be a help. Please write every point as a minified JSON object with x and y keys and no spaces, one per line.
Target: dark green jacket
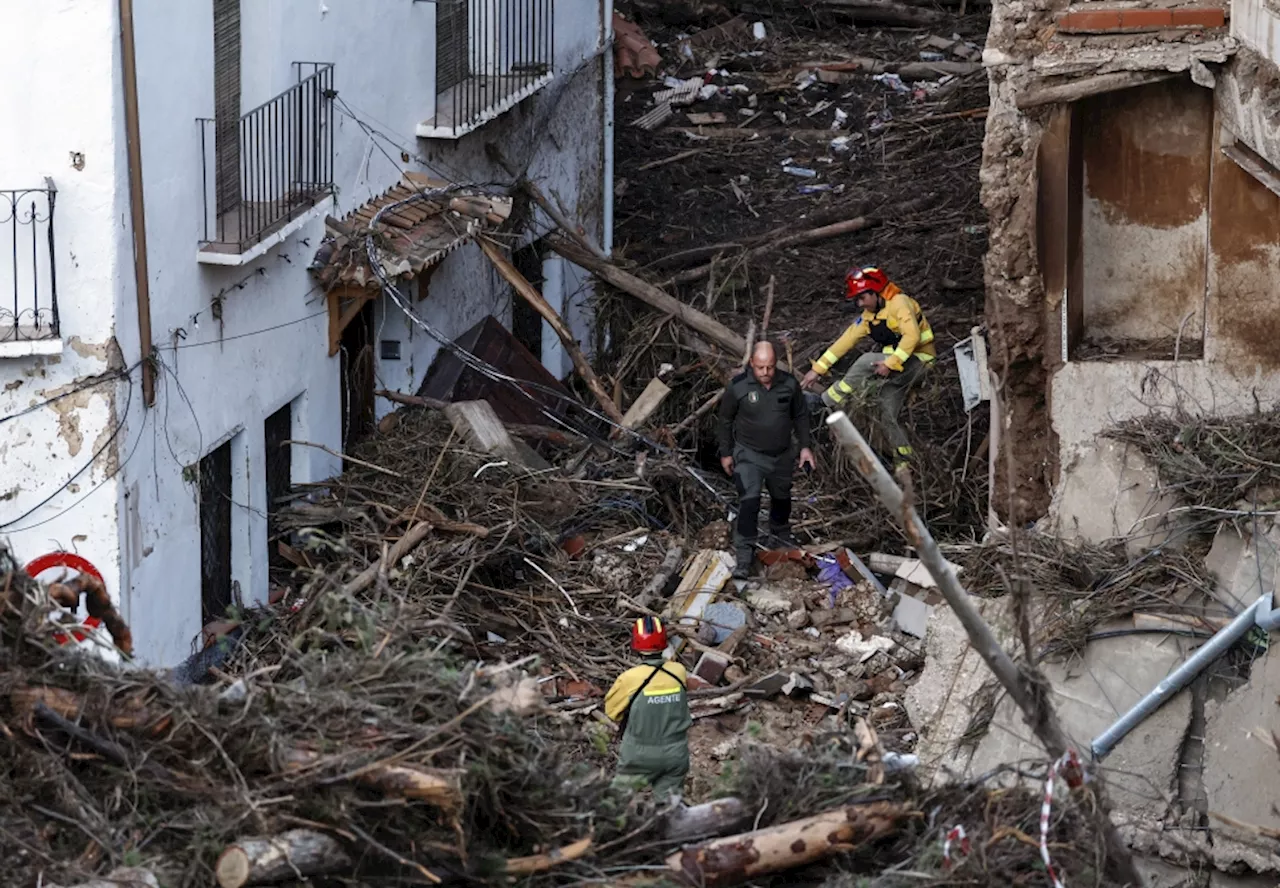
{"x":763,"y":419}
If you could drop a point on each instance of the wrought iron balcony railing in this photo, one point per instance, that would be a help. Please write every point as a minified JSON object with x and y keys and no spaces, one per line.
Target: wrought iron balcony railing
{"x":28,"y":277}
{"x":270,"y":166}
{"x":490,"y":54}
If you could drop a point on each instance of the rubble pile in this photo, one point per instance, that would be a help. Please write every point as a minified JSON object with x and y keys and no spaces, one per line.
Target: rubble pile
{"x":440,"y":721}
{"x":754,"y":171}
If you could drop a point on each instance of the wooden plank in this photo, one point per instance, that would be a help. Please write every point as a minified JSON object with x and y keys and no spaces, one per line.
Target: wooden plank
{"x":650,"y":400}
{"x":477,"y":424}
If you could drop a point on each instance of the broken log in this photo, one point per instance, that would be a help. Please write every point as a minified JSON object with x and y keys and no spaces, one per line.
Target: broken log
{"x":649,"y":294}
{"x":1026,"y":686}
{"x":811,"y":236}
{"x":540,"y":863}
{"x":1083,"y":88}
{"x":290,"y":855}
{"x":124,"y":877}
{"x":441,"y":788}
{"x":708,"y":819}
{"x":531,"y":295}
{"x":412,"y":400}
{"x":402,"y":547}
{"x":890,"y":14}
{"x":696,"y":415}
{"x":747,"y":856}
{"x":768,"y":307}
{"x":906,"y":70}
{"x":670,"y":565}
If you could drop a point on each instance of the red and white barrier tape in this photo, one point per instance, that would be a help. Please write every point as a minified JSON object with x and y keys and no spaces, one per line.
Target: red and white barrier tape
{"x":1073,"y":774}
{"x":955,"y":834}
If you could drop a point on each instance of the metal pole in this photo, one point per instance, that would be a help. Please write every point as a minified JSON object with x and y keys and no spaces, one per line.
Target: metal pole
{"x":1038,"y":711}
{"x":1178,"y":679}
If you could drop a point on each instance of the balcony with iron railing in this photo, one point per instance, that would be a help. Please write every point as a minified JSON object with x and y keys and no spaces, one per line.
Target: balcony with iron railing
{"x":490,"y":55}
{"x":28,"y":279}
{"x":268,"y":172}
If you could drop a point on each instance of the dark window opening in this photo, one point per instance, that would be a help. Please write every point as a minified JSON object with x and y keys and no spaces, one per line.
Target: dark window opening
{"x":215,"y":533}
{"x":526,"y":323}
{"x":277,"y":429}
{"x":358,"y":378}
{"x":226,"y":103}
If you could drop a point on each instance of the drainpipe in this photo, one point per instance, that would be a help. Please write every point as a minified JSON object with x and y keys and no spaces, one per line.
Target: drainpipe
{"x":133,"y":136}
{"x":606,"y":239}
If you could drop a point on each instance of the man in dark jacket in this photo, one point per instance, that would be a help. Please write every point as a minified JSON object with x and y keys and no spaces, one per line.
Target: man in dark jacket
{"x":759,"y":412}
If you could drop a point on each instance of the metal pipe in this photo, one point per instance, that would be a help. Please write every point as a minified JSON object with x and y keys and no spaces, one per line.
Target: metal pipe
{"x":1215,"y":647}
{"x":606,"y":236}
{"x":141,"y":275}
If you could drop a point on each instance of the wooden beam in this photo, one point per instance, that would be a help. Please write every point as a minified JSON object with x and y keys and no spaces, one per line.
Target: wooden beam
{"x":652,"y":296}
{"x":1075,"y":90}
{"x":531,"y":295}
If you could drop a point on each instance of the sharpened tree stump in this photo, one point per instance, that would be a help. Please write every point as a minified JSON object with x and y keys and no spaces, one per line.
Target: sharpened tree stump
{"x":290,"y":855}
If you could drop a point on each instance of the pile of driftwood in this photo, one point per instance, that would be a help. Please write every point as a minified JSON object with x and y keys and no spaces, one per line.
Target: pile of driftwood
{"x":383,"y":731}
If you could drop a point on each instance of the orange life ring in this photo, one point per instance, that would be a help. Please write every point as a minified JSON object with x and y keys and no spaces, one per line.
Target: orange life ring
{"x":74,"y":562}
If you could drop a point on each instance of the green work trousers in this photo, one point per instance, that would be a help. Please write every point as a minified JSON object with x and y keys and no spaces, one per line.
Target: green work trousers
{"x":662,"y":767}
{"x":861,"y":382}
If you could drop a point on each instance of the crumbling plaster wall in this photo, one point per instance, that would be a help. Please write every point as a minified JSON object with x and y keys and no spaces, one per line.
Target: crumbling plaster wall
{"x":58,"y":413}
{"x":1023,"y":56}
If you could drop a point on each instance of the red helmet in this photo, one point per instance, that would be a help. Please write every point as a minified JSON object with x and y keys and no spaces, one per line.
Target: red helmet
{"x":648,"y":635}
{"x":860,"y":280}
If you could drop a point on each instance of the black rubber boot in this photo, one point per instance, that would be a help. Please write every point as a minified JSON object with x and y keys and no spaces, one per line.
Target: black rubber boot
{"x":780,"y":523}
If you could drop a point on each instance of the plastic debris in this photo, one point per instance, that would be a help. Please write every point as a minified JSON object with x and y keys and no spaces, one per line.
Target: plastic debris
{"x":929,"y":56}
{"x":757,"y":30}
{"x":802,"y":172}
{"x":840,"y":145}
{"x":841,"y":118}
{"x":830,"y":573}
{"x":893,"y":81}
{"x":855,"y":645}
{"x":813,"y":189}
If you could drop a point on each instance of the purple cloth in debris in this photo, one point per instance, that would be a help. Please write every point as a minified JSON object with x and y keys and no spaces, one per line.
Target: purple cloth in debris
{"x":829,"y":572}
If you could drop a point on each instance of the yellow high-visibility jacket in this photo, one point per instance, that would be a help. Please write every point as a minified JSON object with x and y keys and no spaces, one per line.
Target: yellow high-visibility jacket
{"x":900,"y":328}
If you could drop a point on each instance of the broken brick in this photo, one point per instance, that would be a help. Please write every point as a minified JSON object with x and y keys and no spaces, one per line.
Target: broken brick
{"x":1145,"y":19}
{"x":838,"y":617}
{"x":1199,"y":17}
{"x":1091,"y":21}
{"x":711,"y":667}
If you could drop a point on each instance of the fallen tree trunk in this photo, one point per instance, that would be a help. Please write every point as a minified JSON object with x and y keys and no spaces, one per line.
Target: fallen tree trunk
{"x":811,"y":236}
{"x":650,"y":295}
{"x":531,"y":295}
{"x":907,"y":70}
{"x":1088,"y":86}
{"x":290,"y":855}
{"x":739,"y":858}
{"x":815,"y":219}
{"x":884,"y":13}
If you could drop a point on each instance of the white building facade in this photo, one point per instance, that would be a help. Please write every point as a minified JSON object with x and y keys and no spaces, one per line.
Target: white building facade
{"x":148,"y":384}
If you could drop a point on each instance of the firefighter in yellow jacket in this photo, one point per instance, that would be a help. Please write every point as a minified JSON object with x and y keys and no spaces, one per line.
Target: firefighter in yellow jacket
{"x":895,"y":322}
{"x":651,"y":704}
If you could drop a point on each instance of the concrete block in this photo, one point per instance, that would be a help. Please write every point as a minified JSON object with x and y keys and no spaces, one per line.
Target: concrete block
{"x":1109,"y":491}
{"x":937,"y":703}
{"x":912,"y":616}
{"x":1241,"y":779}
{"x":1157,"y":873}
{"x":1090,"y":694}
{"x":1238,"y":564}
{"x":769,"y":602}
{"x":711,"y":667}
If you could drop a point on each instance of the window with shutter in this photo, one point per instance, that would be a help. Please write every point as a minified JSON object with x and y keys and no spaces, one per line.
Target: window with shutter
{"x":226,"y":102}
{"x":452,"y":22}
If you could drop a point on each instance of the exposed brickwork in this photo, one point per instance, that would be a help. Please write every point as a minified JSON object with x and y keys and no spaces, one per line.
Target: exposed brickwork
{"x":1102,"y":21}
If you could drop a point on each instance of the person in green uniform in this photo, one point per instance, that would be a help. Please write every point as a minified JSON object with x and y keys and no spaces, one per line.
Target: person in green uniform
{"x":760,"y":410}
{"x":651,"y":703}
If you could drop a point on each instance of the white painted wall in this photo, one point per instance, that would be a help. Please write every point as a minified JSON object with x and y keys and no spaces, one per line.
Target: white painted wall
{"x":47,"y":117}
{"x":235,"y":344}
